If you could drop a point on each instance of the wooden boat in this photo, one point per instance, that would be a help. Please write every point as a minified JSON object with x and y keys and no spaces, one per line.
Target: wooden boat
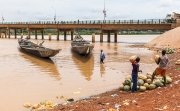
{"x":81,"y":46}
{"x":37,"y":50}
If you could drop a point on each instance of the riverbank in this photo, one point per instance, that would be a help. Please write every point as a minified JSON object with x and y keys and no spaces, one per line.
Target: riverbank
{"x":165,"y":98}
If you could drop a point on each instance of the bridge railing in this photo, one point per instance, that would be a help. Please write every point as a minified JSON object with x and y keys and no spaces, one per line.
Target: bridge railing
{"x":146,"y":21}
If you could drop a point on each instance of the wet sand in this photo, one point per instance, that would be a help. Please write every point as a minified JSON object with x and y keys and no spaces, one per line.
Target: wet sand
{"x":29,"y":79}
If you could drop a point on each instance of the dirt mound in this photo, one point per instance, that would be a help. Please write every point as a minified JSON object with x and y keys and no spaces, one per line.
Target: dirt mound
{"x":170,"y":38}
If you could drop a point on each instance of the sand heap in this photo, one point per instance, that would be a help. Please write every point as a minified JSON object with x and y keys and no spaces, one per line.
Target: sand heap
{"x":170,"y":39}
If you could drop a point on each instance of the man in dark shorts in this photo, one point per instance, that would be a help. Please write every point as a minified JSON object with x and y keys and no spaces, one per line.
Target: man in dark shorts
{"x":161,"y":69}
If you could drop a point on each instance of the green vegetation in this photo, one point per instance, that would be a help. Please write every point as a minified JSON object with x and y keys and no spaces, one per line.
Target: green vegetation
{"x":87,"y":31}
{"x":91,"y":31}
{"x":142,"y":32}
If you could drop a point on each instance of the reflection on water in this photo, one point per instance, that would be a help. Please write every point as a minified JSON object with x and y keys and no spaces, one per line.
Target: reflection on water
{"x":45,"y":65}
{"x":85,"y":64}
{"x":115,"y":47}
{"x":102,"y":69}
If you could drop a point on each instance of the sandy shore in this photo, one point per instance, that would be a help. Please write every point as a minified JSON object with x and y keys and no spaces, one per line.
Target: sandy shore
{"x":165,"y":98}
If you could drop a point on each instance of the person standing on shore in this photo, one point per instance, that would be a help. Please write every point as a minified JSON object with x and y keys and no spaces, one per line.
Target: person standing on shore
{"x":134,"y":75}
{"x":102,"y":57}
{"x":161,"y":69}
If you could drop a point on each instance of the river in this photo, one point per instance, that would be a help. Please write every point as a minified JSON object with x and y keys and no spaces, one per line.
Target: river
{"x":24,"y":78}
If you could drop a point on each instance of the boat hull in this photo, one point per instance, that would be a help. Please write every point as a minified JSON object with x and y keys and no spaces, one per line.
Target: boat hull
{"x":37,"y":50}
{"x":41,"y":53}
{"x":83,"y":50}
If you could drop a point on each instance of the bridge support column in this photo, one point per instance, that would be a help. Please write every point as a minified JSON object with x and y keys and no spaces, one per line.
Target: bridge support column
{"x":115,"y":37}
{"x":93,"y":37}
{"x":49,"y":36}
{"x":35,"y":34}
{"x":42,"y":32}
{"x":21,"y":33}
{"x":109,"y":35}
{"x":57,"y":34}
{"x":65,"y":35}
{"x":9,"y":33}
{"x":101,"y":37}
{"x":29,"y":33}
{"x":72,"y":34}
{"x":15,"y":33}
{"x":0,"y":33}
{"x":5,"y":33}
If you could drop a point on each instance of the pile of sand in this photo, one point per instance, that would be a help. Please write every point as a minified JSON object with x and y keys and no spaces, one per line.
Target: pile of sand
{"x":170,"y":39}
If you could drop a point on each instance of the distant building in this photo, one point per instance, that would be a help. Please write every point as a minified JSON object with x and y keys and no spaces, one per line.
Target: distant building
{"x":171,"y":18}
{"x":175,"y":15}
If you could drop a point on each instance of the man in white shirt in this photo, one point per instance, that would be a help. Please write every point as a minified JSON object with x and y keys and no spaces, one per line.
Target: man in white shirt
{"x":102,"y":57}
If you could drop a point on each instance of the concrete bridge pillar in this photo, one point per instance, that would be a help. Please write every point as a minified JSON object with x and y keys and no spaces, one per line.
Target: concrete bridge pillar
{"x":5,"y":34}
{"x":35,"y":34}
{"x":109,"y":35}
{"x":49,"y":36}
{"x":115,"y":37}
{"x":29,"y":33}
{"x":72,"y":34}
{"x":21,"y":33}
{"x":93,"y":37}
{"x":65,"y":35}
{"x":9,"y":33}
{"x":57,"y":34}
{"x":101,"y":37}
{"x":15,"y":33}
{"x":0,"y":34}
{"x":42,"y":32}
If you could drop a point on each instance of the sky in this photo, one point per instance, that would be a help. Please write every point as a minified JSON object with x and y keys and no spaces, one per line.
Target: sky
{"x":67,"y":10}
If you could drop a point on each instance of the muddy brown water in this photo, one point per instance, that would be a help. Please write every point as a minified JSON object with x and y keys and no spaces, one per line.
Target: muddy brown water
{"x":25,"y":78}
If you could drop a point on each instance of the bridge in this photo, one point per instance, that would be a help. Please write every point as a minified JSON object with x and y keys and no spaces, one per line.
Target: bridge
{"x":106,"y":27}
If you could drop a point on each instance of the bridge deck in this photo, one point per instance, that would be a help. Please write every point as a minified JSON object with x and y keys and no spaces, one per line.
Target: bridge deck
{"x":108,"y":26}
{"x":150,"y":24}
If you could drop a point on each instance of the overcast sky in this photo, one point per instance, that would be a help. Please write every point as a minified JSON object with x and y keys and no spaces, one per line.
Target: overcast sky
{"x":35,"y":10}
